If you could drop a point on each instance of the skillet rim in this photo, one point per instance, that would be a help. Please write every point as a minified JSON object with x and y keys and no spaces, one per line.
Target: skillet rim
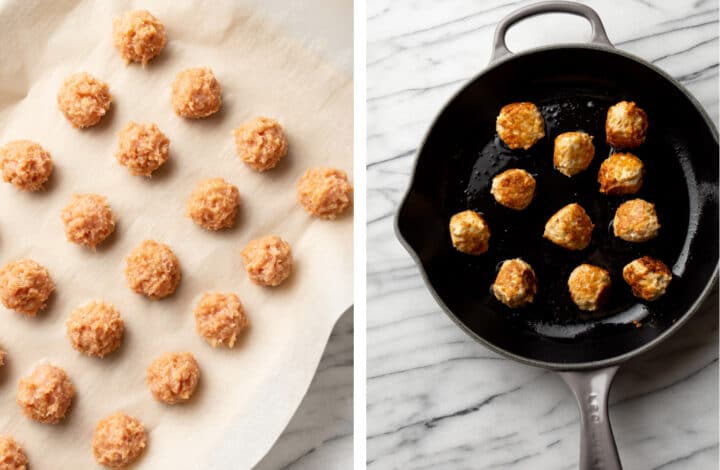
{"x":556,"y":366}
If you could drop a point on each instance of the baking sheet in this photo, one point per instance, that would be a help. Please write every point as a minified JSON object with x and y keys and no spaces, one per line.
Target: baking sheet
{"x":247,"y":394}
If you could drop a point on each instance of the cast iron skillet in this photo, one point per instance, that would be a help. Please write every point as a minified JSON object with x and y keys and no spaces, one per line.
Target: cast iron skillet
{"x":573,"y":85}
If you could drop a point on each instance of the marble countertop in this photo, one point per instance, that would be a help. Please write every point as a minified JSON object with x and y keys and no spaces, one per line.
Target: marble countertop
{"x":438,"y":400}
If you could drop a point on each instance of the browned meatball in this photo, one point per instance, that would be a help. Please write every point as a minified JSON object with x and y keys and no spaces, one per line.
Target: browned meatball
{"x":513,"y":188}
{"x":261,"y":143}
{"x":324,"y":192}
{"x":46,"y":394}
{"x":95,"y":329}
{"x":25,"y":286}
{"x":648,"y":277}
{"x":515,"y":284}
{"x":636,"y":221}
{"x":626,"y":125}
{"x":570,"y":228}
{"x":84,"y":99}
{"x":220,"y":319}
{"x":138,"y":36}
{"x":173,"y":377}
{"x":213,"y":204}
{"x":118,"y":440}
{"x":589,"y":286}
{"x":196,"y":93}
{"x":12,"y":456}
{"x":520,"y":125}
{"x":153,"y":270}
{"x":621,"y":173}
{"x":88,"y":219}
{"x":574,"y":151}
{"x":268,"y":260}
{"x":469,"y":232}
{"x":25,"y":164}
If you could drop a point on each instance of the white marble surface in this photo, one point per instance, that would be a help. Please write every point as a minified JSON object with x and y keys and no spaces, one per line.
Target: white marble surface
{"x":438,"y":400}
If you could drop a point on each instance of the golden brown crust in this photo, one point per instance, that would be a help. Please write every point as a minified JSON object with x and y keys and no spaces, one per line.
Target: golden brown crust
{"x":142,"y":148}
{"x":88,"y":219}
{"x":515,"y":284}
{"x":12,"y":456}
{"x":25,"y":164}
{"x":46,"y":394}
{"x":636,"y":221}
{"x":589,"y":286}
{"x":220,"y":318}
{"x":95,"y":329}
{"x":153,"y":270}
{"x":118,"y":440}
{"x":469,"y":232}
{"x":647,"y":277}
{"x":573,"y":152}
{"x":514,"y":188}
{"x":261,"y":143}
{"x":138,"y":36}
{"x":196,"y":93}
{"x":324,"y":192}
{"x":570,"y":228}
{"x":25,"y":286}
{"x":520,"y":125}
{"x":173,"y":377}
{"x":621,"y":173}
{"x":213,"y":204}
{"x":626,"y":125}
{"x":84,"y":99}
{"x":268,"y":260}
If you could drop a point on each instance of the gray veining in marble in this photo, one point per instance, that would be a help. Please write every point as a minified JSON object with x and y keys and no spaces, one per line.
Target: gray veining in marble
{"x":435,"y":398}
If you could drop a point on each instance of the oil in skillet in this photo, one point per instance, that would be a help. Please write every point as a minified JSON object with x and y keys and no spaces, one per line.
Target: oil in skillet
{"x":519,"y":233}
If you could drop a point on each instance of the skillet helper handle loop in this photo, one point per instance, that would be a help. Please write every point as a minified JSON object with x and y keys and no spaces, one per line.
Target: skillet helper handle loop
{"x":597,"y":444}
{"x":599,"y":36}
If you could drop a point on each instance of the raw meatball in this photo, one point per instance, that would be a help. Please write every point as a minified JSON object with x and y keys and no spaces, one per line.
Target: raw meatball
{"x":118,"y":440}
{"x":12,"y":456}
{"x":515,"y":284}
{"x":84,"y":99}
{"x":324,"y":192}
{"x":88,"y":219}
{"x":589,"y":286}
{"x":138,"y":36}
{"x":573,"y":152}
{"x":636,"y":221}
{"x":142,"y":148}
{"x":25,"y":164}
{"x":469,"y":232}
{"x":25,"y":286}
{"x":46,"y":394}
{"x":520,"y":125}
{"x":621,"y":173}
{"x":220,"y":318}
{"x":95,"y":329}
{"x":213,"y":204}
{"x":268,"y":260}
{"x":513,"y":188}
{"x":173,"y":377}
{"x":648,"y":277}
{"x":196,"y":93}
{"x":261,"y":143}
{"x":153,"y":270}
{"x":570,"y":228}
{"x":626,"y":125}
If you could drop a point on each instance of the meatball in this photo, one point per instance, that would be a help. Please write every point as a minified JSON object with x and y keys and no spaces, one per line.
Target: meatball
{"x":25,"y":164}
{"x":324,"y":192}
{"x":153,"y":270}
{"x":220,"y":318}
{"x":88,"y":219}
{"x":636,"y":221}
{"x":173,"y":377}
{"x":138,"y":36}
{"x":520,"y":125}
{"x":261,"y":143}
{"x":84,"y":99}
{"x":573,"y":152}
{"x":589,"y":286}
{"x":647,"y":277}
{"x":118,"y":440}
{"x":570,"y":228}
{"x":513,"y":188}
{"x":621,"y":173}
{"x":626,"y":125}
{"x":142,"y":148}
{"x":46,"y":394}
{"x":25,"y":286}
{"x":469,"y":232}
{"x":268,"y":260}
{"x":196,"y":93}
{"x":213,"y":204}
{"x":12,"y":456}
{"x":515,"y":284}
{"x":95,"y":329}
{"x":3,"y":354}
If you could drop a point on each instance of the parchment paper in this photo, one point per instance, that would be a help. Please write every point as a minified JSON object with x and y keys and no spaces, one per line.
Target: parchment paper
{"x":248,"y":394}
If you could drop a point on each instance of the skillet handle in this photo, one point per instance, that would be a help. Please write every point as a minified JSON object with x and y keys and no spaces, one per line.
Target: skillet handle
{"x":597,"y":444}
{"x":599,"y":36}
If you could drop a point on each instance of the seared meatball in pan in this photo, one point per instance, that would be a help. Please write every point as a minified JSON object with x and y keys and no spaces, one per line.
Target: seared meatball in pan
{"x":520,"y":125}
{"x":515,"y":284}
{"x":570,"y":228}
{"x":513,"y":188}
{"x":626,"y":125}
{"x":636,"y":221}
{"x":469,"y":232}
{"x":647,"y":277}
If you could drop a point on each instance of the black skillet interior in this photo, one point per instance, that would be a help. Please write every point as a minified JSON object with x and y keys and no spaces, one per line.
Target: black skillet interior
{"x":573,"y":87}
